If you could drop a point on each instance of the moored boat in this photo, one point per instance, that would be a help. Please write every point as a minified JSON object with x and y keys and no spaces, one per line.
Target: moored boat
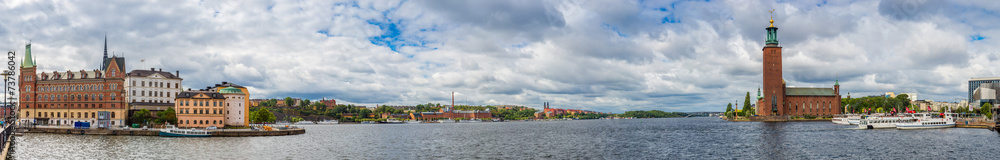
{"x":470,"y":121}
{"x":847,"y":119}
{"x":927,"y":121}
{"x":414,"y":121}
{"x":446,"y":121}
{"x":393,"y":121}
{"x":172,"y":131}
{"x":881,"y":122}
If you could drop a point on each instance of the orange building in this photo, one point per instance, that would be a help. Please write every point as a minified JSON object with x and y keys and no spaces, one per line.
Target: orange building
{"x":449,"y":113}
{"x":200,"y":109}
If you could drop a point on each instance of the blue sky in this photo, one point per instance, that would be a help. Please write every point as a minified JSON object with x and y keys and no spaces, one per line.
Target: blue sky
{"x":610,"y":56}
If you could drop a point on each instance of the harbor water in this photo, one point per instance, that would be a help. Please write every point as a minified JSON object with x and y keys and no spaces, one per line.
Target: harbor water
{"x":670,"y":138}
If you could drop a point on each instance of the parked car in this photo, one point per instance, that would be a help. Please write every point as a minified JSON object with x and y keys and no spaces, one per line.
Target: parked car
{"x":211,"y":127}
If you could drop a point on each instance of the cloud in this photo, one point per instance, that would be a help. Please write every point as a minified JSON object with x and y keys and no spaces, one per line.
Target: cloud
{"x":596,"y":55}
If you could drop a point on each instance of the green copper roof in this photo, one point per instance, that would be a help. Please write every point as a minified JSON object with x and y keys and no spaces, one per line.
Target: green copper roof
{"x":230,"y":90}
{"x":28,"y":62}
{"x":797,"y":91}
{"x":837,"y":83}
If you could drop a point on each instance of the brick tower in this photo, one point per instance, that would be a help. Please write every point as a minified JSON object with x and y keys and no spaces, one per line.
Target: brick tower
{"x":774,"y":85}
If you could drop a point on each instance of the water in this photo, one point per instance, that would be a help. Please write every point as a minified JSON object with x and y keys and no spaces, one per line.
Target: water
{"x":673,"y":138}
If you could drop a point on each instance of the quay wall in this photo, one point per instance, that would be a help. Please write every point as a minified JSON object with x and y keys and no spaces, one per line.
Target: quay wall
{"x":138,"y":132}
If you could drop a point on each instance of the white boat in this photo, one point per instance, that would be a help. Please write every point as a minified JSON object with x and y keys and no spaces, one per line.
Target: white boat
{"x":172,"y":131}
{"x":414,"y":122}
{"x":393,"y":121}
{"x":446,"y":121}
{"x":470,"y":121}
{"x":328,"y":122}
{"x":848,"y":119}
{"x":305,"y":122}
{"x":880,"y":122}
{"x":927,"y":121}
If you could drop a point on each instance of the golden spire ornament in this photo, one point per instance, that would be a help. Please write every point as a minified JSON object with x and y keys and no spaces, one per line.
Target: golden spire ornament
{"x":772,"y":17}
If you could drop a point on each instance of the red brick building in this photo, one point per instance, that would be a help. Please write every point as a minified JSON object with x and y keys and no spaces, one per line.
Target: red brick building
{"x":778,"y":99}
{"x":65,"y":97}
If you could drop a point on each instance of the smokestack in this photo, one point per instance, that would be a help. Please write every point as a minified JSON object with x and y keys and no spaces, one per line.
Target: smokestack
{"x":178,"y":73}
{"x":452,"y":99}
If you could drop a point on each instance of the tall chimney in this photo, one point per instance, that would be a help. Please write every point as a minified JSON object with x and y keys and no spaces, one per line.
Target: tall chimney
{"x":178,"y":74}
{"x":452,"y":99}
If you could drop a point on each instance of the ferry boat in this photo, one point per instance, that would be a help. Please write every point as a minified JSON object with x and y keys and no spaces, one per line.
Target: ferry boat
{"x":393,"y":121}
{"x":305,"y":122}
{"x":328,"y":122}
{"x":881,"y":121}
{"x":414,"y":122}
{"x":848,"y":119}
{"x":446,"y":121}
{"x":470,"y":121}
{"x":927,"y":121}
{"x":172,"y":131}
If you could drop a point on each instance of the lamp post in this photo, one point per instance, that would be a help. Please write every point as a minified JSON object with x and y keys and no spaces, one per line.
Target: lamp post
{"x":6,"y":105}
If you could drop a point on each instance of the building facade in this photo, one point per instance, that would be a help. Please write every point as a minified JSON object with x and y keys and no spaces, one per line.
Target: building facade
{"x":235,"y":106}
{"x":779,"y":100}
{"x":246,"y":97}
{"x":199,"y":109}
{"x":151,"y":90}
{"x":62,"y":98}
{"x":983,"y":90}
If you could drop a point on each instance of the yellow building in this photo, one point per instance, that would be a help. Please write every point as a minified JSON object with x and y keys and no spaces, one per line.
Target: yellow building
{"x":200,"y":109}
{"x":246,"y":97}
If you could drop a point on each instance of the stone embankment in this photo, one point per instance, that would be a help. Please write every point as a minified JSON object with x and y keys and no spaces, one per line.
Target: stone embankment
{"x":156,"y":132}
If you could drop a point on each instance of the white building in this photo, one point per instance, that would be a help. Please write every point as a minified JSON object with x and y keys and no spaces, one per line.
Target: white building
{"x":151,"y":89}
{"x":235,"y":107}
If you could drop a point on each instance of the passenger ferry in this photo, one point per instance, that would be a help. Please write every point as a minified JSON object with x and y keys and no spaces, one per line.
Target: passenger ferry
{"x":470,"y":121}
{"x":446,"y":121}
{"x":172,"y":131}
{"x":882,"y":121}
{"x":847,"y":119}
{"x":927,"y":121}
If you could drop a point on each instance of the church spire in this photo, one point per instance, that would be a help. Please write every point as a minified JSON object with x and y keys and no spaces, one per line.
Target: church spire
{"x":104,"y":62}
{"x":28,"y":62}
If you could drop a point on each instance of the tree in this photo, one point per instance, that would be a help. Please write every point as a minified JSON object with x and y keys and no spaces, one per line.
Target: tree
{"x":142,"y":116}
{"x":985,"y":110}
{"x":729,"y":110}
{"x":262,"y":115}
{"x":168,"y":115}
{"x":297,"y":119}
{"x":289,"y":101}
{"x":747,"y":110}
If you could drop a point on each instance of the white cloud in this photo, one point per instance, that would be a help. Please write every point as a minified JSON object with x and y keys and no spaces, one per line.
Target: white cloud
{"x":597,"y":55}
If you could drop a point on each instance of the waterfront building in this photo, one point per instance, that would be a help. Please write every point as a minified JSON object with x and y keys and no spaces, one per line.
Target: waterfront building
{"x":780,"y":100}
{"x":245,"y":99}
{"x":65,"y":97}
{"x":236,"y":114}
{"x":329,"y":103}
{"x":152,"y":89}
{"x":983,"y":90}
{"x":199,"y":109}
{"x":449,"y":113}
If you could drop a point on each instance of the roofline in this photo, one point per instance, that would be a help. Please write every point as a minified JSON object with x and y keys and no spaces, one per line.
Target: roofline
{"x":983,"y":78}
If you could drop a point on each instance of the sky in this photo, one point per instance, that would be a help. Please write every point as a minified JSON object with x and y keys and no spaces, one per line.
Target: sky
{"x":605,"y":56}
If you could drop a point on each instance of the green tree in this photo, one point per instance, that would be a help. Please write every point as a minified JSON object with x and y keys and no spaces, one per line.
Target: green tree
{"x":297,"y":119}
{"x":747,"y":110}
{"x":985,"y":110}
{"x":729,"y":110}
{"x":168,"y":115}
{"x":142,"y":116}
{"x":262,"y":115}
{"x":289,"y":101}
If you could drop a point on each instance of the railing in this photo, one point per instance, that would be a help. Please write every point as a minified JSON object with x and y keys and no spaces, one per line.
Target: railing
{"x":5,"y":135}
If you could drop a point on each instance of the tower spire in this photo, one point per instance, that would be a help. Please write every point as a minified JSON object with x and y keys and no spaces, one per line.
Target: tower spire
{"x":28,"y":62}
{"x":104,"y":62}
{"x":772,"y":33}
